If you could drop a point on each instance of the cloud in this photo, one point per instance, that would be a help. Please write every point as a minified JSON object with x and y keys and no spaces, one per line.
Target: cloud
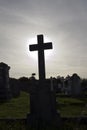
{"x":65,"y":21}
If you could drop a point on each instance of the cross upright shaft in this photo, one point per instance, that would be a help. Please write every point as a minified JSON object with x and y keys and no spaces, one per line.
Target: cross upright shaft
{"x":41,"y":46}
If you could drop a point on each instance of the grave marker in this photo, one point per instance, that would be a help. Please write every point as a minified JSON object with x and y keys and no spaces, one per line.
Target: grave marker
{"x":42,"y":98}
{"x":40,"y":47}
{"x":5,"y":93}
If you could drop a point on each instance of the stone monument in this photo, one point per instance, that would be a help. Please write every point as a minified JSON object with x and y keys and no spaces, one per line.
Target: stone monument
{"x":76,"y":85}
{"x":4,"y":82}
{"x":72,"y":85}
{"x":42,"y":97}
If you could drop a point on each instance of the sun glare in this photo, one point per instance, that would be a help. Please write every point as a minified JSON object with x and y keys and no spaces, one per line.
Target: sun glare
{"x":34,"y":54}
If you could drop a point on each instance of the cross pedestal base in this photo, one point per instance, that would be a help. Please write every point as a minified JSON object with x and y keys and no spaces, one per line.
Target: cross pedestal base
{"x":43,"y":107}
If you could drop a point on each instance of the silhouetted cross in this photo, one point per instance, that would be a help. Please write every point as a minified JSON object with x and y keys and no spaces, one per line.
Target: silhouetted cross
{"x":41,"y":46}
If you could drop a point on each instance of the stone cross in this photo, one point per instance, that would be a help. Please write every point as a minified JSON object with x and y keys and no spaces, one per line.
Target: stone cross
{"x":40,"y":47}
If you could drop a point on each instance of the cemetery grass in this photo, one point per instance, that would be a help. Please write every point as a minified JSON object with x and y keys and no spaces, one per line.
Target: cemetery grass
{"x":16,"y":107}
{"x":72,"y":107}
{"x":19,"y":107}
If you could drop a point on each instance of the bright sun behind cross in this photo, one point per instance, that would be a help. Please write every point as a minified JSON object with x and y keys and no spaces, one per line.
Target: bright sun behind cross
{"x":34,"y":54}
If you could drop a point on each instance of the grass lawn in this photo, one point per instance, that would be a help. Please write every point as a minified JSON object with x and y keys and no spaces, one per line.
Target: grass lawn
{"x":72,"y":106}
{"x":16,"y":107}
{"x":19,"y":107}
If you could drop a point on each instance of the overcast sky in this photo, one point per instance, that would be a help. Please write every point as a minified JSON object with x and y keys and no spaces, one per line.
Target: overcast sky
{"x":63,"y":22}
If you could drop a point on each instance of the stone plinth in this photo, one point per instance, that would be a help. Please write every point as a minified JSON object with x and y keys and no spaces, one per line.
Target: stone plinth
{"x":4,"y":82}
{"x":43,"y":106}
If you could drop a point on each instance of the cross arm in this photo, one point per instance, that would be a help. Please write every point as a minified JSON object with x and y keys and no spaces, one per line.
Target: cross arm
{"x":33,"y":47}
{"x":48,"y":45}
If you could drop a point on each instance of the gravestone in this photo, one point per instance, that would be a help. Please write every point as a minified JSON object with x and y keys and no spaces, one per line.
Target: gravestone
{"x":72,"y":85}
{"x":4,"y":82}
{"x":14,"y":87}
{"x":67,"y":89}
{"x":42,"y":97}
{"x":75,"y":85}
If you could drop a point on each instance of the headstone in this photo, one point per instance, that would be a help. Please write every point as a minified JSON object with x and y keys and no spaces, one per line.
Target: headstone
{"x":4,"y":82}
{"x":75,"y":85}
{"x":42,"y":98}
{"x":68,"y":86}
{"x":15,"y":87}
{"x":72,"y":85}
